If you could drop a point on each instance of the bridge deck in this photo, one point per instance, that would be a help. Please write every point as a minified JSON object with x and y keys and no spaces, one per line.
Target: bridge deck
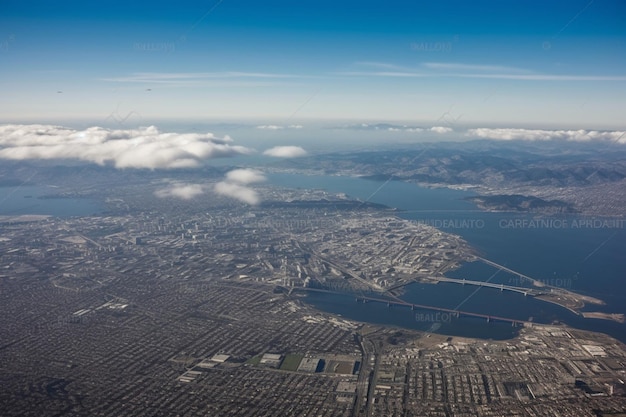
{"x":501,"y":287}
{"x":457,"y":313}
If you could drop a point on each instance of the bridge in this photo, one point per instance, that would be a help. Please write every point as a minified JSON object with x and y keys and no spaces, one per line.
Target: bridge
{"x":400,"y":303}
{"x":501,"y":287}
{"x":505,"y":269}
{"x":454,"y":312}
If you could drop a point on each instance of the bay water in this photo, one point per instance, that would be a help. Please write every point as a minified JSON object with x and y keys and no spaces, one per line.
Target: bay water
{"x":578,"y":253}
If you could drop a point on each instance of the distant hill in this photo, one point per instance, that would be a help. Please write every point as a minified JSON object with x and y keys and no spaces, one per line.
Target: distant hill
{"x":523,"y":203}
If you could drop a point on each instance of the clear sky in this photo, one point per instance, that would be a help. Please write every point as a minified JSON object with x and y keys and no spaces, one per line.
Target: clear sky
{"x":513,"y":63}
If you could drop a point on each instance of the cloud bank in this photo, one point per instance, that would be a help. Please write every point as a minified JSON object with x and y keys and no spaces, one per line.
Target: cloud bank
{"x":279,"y":127}
{"x":180,"y":190}
{"x":440,"y":129}
{"x":198,"y":79}
{"x":236,"y":185}
{"x":245,"y":176}
{"x":396,"y":128}
{"x":465,"y":70}
{"x":285,"y":152}
{"x":145,"y":147}
{"x":543,"y":135}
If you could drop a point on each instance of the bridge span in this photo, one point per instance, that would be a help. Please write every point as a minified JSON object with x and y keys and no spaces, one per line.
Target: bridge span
{"x":501,"y":287}
{"x":454,"y":312}
{"x":400,"y":303}
{"x":535,"y":282}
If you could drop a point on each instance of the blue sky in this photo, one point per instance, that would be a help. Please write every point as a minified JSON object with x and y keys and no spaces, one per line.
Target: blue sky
{"x":513,"y":63}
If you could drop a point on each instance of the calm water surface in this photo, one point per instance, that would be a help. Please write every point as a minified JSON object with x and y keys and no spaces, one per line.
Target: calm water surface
{"x":18,"y":200}
{"x":581,"y":254}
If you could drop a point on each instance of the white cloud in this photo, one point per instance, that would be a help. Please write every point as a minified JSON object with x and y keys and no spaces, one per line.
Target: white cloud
{"x":521,"y":77}
{"x":397,"y":128}
{"x":182,"y":191}
{"x":145,"y":147}
{"x":538,"y":134}
{"x":194,"y":79}
{"x":440,"y":129}
{"x":285,"y":152}
{"x":279,"y":127}
{"x":463,"y":70}
{"x":238,"y":192}
{"x":164,"y":77}
{"x":400,"y":74}
{"x":245,"y":176}
{"x":222,"y":74}
{"x":382,"y":65}
{"x":470,"y":67}
{"x":235,"y":185}
{"x":543,"y":77}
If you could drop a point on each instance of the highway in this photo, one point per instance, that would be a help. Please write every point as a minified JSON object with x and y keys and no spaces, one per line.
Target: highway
{"x":368,"y":374}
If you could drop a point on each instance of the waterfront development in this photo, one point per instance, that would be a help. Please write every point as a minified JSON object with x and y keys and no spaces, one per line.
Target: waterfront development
{"x":313,"y":209}
{"x":547,"y":261}
{"x":210,"y":303}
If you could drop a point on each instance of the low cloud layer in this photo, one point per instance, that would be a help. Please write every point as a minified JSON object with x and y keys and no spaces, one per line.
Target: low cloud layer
{"x":440,"y":129}
{"x":236,"y":185}
{"x":145,"y":147}
{"x":238,"y":192}
{"x":543,"y":135}
{"x":387,"y":127}
{"x":279,"y":127}
{"x":285,"y":152}
{"x":180,"y":190}
{"x":245,"y":176}
{"x":465,"y":70}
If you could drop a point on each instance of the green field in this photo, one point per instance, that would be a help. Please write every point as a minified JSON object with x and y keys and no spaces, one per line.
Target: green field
{"x":255,"y":360}
{"x":291,"y":362}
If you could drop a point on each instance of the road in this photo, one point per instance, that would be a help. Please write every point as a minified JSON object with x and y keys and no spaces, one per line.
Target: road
{"x":368,"y":375}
